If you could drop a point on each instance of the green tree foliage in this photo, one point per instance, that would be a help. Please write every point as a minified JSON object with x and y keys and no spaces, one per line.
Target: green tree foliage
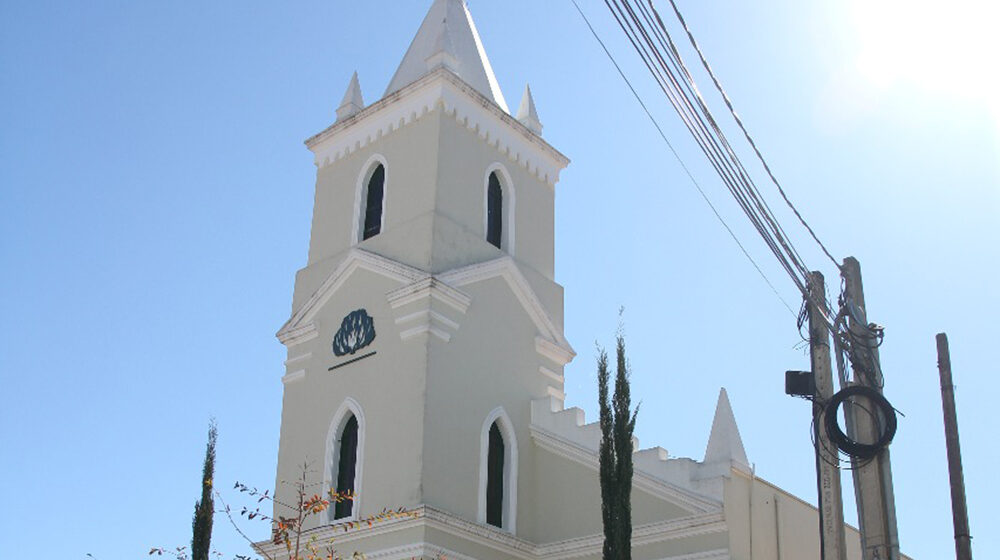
{"x":617,"y":426}
{"x":204,"y":509}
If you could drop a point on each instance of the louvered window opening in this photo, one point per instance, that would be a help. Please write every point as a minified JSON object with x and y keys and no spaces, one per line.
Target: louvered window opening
{"x":373,"y":204}
{"x":494,"y":478}
{"x":494,"y":211}
{"x":346,"y":465}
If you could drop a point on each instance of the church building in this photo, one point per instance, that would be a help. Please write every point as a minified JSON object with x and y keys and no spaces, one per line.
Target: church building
{"x":426,"y":349}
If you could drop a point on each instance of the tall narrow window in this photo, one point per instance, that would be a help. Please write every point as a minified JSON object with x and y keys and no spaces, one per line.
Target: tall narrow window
{"x":494,"y":211}
{"x":346,"y":466}
{"x":373,"y":203}
{"x":494,"y":478}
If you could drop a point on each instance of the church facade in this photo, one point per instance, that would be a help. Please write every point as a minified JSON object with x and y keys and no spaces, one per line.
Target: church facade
{"x":426,"y":349}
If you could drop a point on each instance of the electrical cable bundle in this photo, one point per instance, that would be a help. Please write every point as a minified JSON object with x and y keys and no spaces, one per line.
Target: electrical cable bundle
{"x":651,"y":40}
{"x":855,"y":348}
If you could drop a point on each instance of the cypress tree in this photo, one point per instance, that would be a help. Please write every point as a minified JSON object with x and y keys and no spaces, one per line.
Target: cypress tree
{"x":615,"y":455}
{"x":204,"y":509}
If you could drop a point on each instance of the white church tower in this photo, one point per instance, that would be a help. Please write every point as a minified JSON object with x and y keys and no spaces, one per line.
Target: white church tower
{"x":426,"y":348}
{"x":427,"y":316}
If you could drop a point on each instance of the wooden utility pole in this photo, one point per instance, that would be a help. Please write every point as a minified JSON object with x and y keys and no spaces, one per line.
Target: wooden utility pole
{"x":872,"y":478}
{"x":831,"y":505}
{"x":959,"y":511}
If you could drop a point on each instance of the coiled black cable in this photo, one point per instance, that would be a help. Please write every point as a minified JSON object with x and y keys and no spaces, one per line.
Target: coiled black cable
{"x":844,"y":442}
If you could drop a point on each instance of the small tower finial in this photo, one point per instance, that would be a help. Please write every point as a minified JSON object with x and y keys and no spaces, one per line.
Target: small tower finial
{"x":353,"y":102}
{"x":527,"y":114}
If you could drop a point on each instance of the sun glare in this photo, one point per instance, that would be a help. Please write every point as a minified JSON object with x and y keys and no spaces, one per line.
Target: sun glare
{"x":944,"y":48}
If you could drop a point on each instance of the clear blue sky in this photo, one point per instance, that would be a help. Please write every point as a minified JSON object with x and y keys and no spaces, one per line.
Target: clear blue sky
{"x":155,"y":201}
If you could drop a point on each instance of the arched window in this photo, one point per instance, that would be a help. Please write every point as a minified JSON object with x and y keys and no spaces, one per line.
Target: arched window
{"x":494,"y":211}
{"x":498,"y":472}
{"x":345,"y":456}
{"x":494,"y":478}
{"x":374,"y":192}
{"x":347,"y":460}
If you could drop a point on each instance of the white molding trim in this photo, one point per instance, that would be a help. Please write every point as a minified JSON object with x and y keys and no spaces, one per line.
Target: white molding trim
{"x":506,"y":268}
{"x":508,"y":209}
{"x":293,"y":376}
{"x":506,"y":543}
{"x":361,"y":195}
{"x":558,"y":378}
{"x":642,"y":535}
{"x":718,"y":554}
{"x":293,"y":336}
{"x":500,"y":417}
{"x":442,"y":89}
{"x":416,"y":551}
{"x":663,"y":489}
{"x":558,"y":354}
{"x":340,"y":417}
{"x":301,"y":320}
{"x":426,"y":328}
{"x":429,"y":287}
{"x":298,"y":358}
{"x":556,"y":394}
{"x":427,"y":321}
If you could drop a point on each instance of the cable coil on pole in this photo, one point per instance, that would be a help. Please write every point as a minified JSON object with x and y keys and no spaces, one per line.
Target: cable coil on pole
{"x":844,"y":442}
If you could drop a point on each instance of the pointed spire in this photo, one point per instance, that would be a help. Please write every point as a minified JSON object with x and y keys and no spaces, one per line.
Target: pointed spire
{"x":448,"y":37}
{"x":527,"y":114}
{"x":725,"y":444}
{"x":353,"y":103}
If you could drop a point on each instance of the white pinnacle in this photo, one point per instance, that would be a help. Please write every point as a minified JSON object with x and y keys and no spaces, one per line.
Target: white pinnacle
{"x":353,"y":102}
{"x":448,"y":37}
{"x":527,"y":114}
{"x":725,"y":444}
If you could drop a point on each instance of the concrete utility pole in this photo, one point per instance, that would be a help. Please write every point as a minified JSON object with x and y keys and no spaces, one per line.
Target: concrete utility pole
{"x":959,"y":511}
{"x":872,"y":478}
{"x":831,"y":505}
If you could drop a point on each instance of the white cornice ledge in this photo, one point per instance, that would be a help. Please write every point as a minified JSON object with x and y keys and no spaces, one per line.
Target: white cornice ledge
{"x":505,"y":542}
{"x":300,"y":328}
{"x":441,"y":89}
{"x":292,"y":336}
{"x":553,"y":351}
{"x":429,"y":288}
{"x":643,"y":535}
{"x":506,"y":268}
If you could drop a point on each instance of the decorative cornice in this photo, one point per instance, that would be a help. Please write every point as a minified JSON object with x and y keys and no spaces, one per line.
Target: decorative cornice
{"x":426,"y":321}
{"x":558,"y":354}
{"x":556,"y":393}
{"x":558,"y":378}
{"x":441,"y":89}
{"x":299,"y":358}
{"x":718,"y":554}
{"x":293,"y":376}
{"x":642,"y":535}
{"x":299,"y":327}
{"x":292,"y":336}
{"x":506,"y":268}
{"x":504,"y":542}
{"x":429,"y":288}
{"x":418,"y":286}
{"x":482,"y":534}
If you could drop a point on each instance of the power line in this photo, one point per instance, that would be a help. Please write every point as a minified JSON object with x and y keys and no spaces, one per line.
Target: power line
{"x":687,"y":171}
{"x":652,"y":42}
{"x":739,"y":121}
